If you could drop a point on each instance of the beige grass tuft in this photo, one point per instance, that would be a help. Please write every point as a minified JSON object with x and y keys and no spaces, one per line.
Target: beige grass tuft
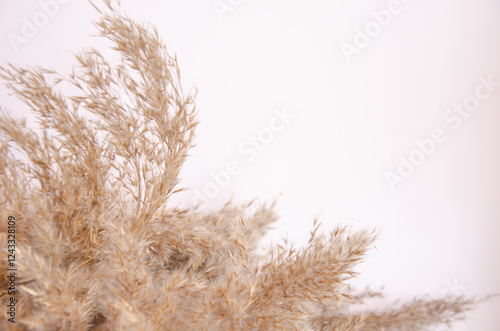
{"x":97,"y":246}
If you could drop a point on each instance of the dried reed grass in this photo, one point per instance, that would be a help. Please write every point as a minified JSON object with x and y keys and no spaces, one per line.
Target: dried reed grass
{"x":97,"y":246}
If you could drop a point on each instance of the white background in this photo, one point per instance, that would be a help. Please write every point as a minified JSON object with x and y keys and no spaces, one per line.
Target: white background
{"x":440,"y":227}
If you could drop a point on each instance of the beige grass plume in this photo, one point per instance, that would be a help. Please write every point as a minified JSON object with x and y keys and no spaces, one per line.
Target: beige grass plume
{"x":97,"y":248}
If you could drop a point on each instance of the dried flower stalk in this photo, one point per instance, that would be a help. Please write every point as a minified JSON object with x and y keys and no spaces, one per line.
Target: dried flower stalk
{"x":97,"y":246}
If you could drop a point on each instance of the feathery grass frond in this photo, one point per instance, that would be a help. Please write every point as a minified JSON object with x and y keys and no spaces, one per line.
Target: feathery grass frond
{"x":99,"y":247}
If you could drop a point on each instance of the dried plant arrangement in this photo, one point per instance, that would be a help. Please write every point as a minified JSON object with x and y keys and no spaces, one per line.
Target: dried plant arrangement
{"x":89,"y":243}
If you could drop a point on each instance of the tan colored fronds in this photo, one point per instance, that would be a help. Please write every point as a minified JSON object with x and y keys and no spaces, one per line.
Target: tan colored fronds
{"x":97,"y":246}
